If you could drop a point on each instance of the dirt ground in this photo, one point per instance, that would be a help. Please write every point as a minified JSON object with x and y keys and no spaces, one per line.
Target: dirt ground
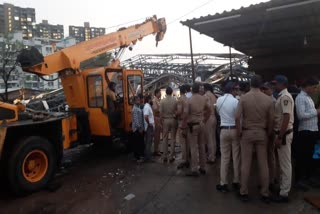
{"x":97,"y":181}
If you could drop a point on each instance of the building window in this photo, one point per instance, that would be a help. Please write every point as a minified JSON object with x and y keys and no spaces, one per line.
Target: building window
{"x":16,"y":18}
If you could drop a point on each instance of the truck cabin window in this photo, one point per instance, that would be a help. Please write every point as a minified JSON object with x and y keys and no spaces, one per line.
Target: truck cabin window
{"x":115,"y":76}
{"x":95,"y":91}
{"x":134,"y":87}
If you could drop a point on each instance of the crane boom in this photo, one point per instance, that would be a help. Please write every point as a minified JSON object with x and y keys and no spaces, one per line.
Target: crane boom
{"x":71,"y":57}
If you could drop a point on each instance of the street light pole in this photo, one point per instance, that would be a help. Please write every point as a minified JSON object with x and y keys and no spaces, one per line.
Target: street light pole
{"x":191,"y":52}
{"x":230,"y":56}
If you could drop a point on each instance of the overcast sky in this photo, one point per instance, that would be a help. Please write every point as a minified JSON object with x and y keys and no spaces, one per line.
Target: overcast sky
{"x":106,"y":13}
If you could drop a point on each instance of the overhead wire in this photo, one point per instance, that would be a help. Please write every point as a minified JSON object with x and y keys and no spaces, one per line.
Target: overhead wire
{"x":176,"y":19}
{"x":125,"y":23}
{"x":191,"y":11}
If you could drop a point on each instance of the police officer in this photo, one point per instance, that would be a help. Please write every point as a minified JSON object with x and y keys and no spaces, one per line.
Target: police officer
{"x":254,"y":121}
{"x":197,"y":113}
{"x":168,"y":109}
{"x":182,"y":131}
{"x":211,"y":124}
{"x":156,"y":112}
{"x":283,"y":128}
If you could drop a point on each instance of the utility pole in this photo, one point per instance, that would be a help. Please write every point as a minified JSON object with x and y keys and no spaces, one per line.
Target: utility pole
{"x":191,"y":52}
{"x":230,"y":56}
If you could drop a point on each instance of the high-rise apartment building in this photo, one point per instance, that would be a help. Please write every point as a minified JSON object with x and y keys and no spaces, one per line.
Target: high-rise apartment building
{"x":46,"y":30}
{"x":13,"y":18}
{"x":86,"y":32}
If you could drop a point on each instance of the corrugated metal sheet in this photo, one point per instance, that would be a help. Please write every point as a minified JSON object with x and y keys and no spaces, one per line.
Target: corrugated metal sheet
{"x":278,"y":33}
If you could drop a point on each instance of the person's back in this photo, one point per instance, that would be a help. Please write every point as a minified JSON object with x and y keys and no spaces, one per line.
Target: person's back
{"x":168,"y":107}
{"x":168,"y":110}
{"x":226,"y":107}
{"x":197,"y":104}
{"x":254,"y":120}
{"x":256,"y":107}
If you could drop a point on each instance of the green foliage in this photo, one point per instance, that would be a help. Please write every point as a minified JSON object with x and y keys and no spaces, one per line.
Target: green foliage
{"x":9,"y":49}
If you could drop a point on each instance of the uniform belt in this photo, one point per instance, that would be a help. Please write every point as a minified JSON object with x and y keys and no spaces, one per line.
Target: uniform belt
{"x":254,"y":129}
{"x":284,"y":138}
{"x":228,"y":127}
{"x":168,"y":117}
{"x":289,"y":131}
{"x":191,"y":125}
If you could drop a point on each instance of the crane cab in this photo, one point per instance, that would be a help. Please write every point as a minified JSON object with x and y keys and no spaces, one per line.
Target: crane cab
{"x":88,"y":96}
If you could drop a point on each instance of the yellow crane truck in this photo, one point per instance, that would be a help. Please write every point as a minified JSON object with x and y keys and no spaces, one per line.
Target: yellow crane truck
{"x":31,"y":149}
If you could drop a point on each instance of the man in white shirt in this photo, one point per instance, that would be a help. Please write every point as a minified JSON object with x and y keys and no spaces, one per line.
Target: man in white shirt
{"x":307,"y":133}
{"x":188,"y":89}
{"x":148,"y":126}
{"x":226,"y":107}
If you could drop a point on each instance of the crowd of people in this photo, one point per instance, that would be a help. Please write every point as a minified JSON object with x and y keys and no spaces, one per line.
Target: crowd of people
{"x":265,"y":120}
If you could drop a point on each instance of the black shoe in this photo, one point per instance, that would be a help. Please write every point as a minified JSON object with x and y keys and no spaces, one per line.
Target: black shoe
{"x":156,"y":154}
{"x":172,"y":160}
{"x":236,"y":186}
{"x":265,"y":199}
{"x":210,"y":162}
{"x":301,"y":186}
{"x":187,"y":165}
{"x":192,"y":174}
{"x":165,"y":160}
{"x":202,"y":171}
{"x":280,"y":199}
{"x":181,"y":165}
{"x":222,"y":188}
{"x":243,"y":197}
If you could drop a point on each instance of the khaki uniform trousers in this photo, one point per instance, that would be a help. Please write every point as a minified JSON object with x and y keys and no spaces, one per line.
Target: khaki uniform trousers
{"x":229,"y":145}
{"x":197,"y":147}
{"x":169,"y":125}
{"x":185,"y":148}
{"x":157,"y":133}
{"x":210,"y":137}
{"x":284,"y":156}
{"x":272,"y":162}
{"x":254,"y":139}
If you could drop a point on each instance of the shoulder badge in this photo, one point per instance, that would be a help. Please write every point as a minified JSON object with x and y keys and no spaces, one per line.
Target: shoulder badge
{"x":285,"y":102}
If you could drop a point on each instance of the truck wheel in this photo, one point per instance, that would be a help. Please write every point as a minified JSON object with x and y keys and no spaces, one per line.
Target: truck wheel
{"x":31,"y":165}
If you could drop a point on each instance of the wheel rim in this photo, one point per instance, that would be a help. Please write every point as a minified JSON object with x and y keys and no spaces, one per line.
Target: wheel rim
{"x":35,"y":166}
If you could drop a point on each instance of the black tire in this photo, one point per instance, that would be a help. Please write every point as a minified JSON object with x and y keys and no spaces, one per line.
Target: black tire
{"x":18,"y":183}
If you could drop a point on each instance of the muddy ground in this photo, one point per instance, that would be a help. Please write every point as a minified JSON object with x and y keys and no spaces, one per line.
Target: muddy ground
{"x":97,"y":181}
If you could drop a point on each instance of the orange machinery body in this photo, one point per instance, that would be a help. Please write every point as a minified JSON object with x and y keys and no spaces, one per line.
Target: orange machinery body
{"x":87,"y":90}
{"x":32,"y":148}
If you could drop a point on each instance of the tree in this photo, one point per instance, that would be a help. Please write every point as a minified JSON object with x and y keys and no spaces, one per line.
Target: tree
{"x":98,"y":61}
{"x":9,"y":49}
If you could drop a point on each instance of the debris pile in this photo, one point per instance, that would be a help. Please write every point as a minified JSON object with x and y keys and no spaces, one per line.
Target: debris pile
{"x":54,"y":101}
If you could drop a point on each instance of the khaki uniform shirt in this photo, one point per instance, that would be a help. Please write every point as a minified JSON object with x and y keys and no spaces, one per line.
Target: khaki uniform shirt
{"x":196,"y":106}
{"x":256,"y":109}
{"x":182,"y":102}
{"x":156,"y":107}
{"x":168,"y":107}
{"x":212,"y":101}
{"x":284,"y":105}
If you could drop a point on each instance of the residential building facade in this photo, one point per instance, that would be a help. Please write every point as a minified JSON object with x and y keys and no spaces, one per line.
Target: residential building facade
{"x":13,"y":18}
{"x":86,"y":32}
{"x":20,"y":79}
{"x":49,"y":31}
